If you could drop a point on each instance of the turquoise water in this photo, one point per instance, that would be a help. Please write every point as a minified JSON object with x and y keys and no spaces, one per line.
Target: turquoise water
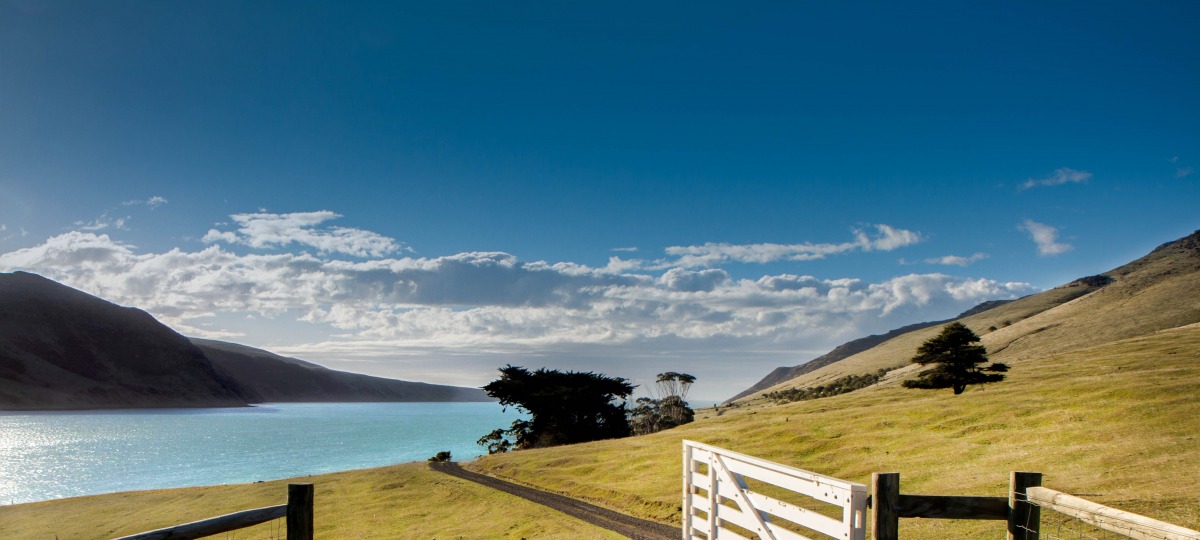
{"x":49,"y":455}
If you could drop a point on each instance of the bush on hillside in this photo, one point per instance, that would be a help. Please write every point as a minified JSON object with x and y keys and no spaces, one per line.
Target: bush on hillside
{"x":842,"y":385}
{"x":958,"y":361}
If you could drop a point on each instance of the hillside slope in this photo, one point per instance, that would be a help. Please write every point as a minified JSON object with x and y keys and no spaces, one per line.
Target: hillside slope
{"x":850,"y":348}
{"x":278,"y":378}
{"x":64,"y":349}
{"x":1116,"y":422}
{"x":1153,"y":293}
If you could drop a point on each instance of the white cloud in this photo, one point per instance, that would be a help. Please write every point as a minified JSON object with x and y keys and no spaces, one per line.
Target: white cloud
{"x":153,"y":202}
{"x":1184,"y":172}
{"x":1046,"y":238}
{"x":956,"y":260}
{"x":630,"y":249}
{"x":678,"y":279}
{"x":264,"y":230}
{"x":618,"y":265}
{"x":104,"y":222}
{"x":887,"y":238}
{"x":1060,"y":176}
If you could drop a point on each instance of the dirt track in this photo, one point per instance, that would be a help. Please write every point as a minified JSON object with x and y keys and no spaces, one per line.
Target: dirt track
{"x":638,"y":529}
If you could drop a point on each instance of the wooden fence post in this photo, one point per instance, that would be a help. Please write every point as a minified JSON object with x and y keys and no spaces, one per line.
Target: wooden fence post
{"x":885,"y":502}
{"x":1024,"y":518}
{"x":300,"y":512}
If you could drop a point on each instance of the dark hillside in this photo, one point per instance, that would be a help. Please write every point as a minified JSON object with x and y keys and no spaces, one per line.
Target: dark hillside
{"x":61,"y":348}
{"x":281,"y":379}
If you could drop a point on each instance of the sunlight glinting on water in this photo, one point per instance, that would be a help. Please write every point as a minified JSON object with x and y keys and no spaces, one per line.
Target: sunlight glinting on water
{"x":50,"y":455}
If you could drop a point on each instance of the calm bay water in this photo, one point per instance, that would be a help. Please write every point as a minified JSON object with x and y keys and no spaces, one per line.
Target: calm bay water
{"x":48,"y":455}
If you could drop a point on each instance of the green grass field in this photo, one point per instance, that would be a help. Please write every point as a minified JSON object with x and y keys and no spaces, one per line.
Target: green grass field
{"x":402,"y":501}
{"x":1116,"y":423}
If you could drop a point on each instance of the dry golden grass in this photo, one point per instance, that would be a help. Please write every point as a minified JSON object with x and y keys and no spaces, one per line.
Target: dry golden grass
{"x":1156,"y":292}
{"x":403,"y":501}
{"x":1116,"y":422}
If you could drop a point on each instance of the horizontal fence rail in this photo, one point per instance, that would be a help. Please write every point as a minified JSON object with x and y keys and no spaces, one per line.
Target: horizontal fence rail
{"x":211,"y":526}
{"x":888,"y":505}
{"x":1110,"y":519}
{"x":298,"y":512}
{"x":727,"y":499}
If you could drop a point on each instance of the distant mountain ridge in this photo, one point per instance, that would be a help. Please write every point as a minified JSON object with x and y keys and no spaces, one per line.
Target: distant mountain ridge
{"x":61,"y":348}
{"x":1153,"y":293}
{"x":276,"y":378}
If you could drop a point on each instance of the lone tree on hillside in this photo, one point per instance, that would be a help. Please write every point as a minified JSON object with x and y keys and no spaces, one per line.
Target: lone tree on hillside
{"x":564,"y":408}
{"x":959,"y":361}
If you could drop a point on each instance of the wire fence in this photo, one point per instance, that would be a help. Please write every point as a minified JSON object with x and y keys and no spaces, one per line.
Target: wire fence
{"x":1082,"y":520}
{"x":271,"y":530}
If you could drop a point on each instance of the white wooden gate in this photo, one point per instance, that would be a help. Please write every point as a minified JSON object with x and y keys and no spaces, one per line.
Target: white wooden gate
{"x":705,"y":514}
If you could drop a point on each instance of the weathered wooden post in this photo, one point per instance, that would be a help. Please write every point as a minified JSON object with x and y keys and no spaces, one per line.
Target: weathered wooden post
{"x":1024,"y":517}
{"x":885,"y":503}
{"x":300,"y":512}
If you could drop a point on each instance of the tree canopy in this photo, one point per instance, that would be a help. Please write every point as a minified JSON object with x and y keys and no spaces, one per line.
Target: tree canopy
{"x":959,"y":361}
{"x":564,"y":407}
{"x":669,"y":410}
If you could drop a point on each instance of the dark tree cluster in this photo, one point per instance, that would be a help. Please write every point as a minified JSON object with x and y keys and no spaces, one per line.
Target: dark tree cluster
{"x":671,"y":409}
{"x":563,"y":407}
{"x":572,"y":407}
{"x":841,"y":385}
{"x":958,"y":361}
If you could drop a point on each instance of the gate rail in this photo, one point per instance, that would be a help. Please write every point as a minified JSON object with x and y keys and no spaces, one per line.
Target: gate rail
{"x":723,"y":481}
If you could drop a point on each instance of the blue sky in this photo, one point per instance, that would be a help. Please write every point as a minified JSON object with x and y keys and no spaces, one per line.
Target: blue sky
{"x":429,"y":191}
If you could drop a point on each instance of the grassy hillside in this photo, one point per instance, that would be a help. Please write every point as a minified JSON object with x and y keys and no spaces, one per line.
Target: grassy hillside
{"x":1116,"y":422}
{"x":404,"y":501}
{"x":1155,"y":292}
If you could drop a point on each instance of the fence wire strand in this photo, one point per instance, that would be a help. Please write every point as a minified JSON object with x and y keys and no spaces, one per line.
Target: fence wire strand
{"x":1056,"y":525}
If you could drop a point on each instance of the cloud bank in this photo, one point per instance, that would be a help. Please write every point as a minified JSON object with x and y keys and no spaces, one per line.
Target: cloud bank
{"x":347,"y":303}
{"x":478,"y":299}
{"x":263,"y":230}
{"x":887,"y":238}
